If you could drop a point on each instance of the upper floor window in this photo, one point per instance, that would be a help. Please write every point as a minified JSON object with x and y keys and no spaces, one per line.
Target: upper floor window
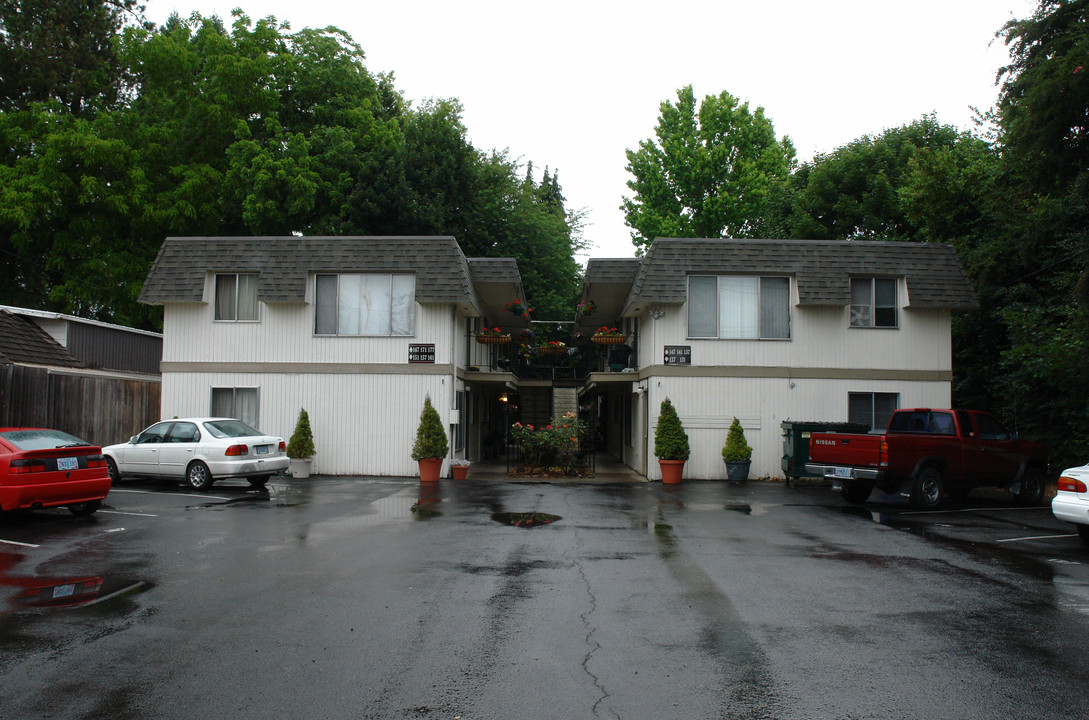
{"x":873,"y":302}
{"x":365,"y":305}
{"x":236,"y":297}
{"x":738,"y":307}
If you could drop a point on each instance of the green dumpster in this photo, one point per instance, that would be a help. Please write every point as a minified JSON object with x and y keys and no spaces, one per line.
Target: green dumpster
{"x":796,"y":443}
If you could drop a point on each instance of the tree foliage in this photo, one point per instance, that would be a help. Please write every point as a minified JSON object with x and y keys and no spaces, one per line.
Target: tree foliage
{"x":715,"y":173}
{"x":249,"y":129}
{"x":670,"y":439}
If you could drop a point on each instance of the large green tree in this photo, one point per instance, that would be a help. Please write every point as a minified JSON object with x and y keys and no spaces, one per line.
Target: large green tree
{"x":718,"y":172}
{"x":246,"y":130}
{"x":62,"y":50}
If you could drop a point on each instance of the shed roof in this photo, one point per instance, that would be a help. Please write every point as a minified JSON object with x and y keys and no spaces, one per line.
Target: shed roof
{"x":283,"y":264}
{"x":822,"y":269}
{"x":22,"y":342}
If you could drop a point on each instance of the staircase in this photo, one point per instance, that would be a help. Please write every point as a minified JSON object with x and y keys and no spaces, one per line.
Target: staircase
{"x":565,"y":400}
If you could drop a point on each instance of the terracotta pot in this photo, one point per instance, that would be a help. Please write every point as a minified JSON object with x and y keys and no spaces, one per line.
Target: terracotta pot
{"x":671,"y":471}
{"x":430,"y":469}
{"x":461,"y":472}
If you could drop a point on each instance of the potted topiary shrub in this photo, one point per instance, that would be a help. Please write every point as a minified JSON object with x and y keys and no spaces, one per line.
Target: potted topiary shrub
{"x":670,"y":443}
{"x":736,"y":453}
{"x":431,"y":445}
{"x":300,"y":447}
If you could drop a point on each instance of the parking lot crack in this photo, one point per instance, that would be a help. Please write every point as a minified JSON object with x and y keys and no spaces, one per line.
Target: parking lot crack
{"x":590,"y":630}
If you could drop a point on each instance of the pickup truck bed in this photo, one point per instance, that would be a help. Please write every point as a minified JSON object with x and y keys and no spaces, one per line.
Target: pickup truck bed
{"x":933,"y":454}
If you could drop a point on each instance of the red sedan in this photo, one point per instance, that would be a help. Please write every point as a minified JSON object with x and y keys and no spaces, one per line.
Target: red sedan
{"x":48,"y":468}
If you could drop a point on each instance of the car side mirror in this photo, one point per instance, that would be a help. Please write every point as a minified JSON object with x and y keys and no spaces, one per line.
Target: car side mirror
{"x":132,"y":440}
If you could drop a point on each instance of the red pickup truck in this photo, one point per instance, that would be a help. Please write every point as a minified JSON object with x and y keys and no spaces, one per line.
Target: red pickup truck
{"x":934,"y":454}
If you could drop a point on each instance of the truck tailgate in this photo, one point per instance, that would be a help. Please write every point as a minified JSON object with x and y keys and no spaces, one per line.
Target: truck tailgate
{"x":845,"y":449}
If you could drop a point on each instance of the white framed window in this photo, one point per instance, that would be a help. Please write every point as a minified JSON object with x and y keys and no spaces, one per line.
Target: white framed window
{"x":236,"y":297}
{"x":739,"y":307}
{"x":236,"y":402}
{"x":873,"y":302}
{"x":873,"y":409}
{"x":365,"y":304}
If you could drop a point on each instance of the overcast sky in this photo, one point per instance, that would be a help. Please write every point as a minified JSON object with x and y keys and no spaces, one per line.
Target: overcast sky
{"x":572,"y":84}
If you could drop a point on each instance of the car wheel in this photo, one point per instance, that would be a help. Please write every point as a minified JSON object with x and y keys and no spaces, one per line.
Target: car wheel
{"x":85,"y":508}
{"x":111,"y":468}
{"x":1083,"y":532}
{"x":258,"y":480}
{"x":856,"y":492}
{"x":1032,"y":488}
{"x":198,"y":476}
{"x":928,"y":490}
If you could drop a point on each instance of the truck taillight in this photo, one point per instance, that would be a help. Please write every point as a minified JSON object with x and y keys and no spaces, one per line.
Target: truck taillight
{"x":883,"y":456}
{"x":235,"y":450}
{"x":1069,"y":484}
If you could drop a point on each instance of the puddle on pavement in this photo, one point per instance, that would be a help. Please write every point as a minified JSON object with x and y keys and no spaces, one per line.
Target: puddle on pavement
{"x":524,"y":519}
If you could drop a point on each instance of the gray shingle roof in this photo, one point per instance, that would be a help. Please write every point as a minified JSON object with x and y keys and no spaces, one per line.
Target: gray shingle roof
{"x":284,"y":263}
{"x":822,"y":268}
{"x":23,"y":342}
{"x":612,"y":270}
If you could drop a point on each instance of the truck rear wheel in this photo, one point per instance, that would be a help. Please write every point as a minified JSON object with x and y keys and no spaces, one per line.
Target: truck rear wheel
{"x":1032,"y":488}
{"x":928,"y":489}
{"x":856,"y":492}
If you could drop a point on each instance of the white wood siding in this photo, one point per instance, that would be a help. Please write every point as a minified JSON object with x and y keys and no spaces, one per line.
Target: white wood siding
{"x":285,"y":333}
{"x":707,"y":406}
{"x":363,"y":424}
{"x":821,"y":337}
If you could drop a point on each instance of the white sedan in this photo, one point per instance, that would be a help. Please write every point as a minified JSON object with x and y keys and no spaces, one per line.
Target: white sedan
{"x":1071,"y":502}
{"x":200,"y":450}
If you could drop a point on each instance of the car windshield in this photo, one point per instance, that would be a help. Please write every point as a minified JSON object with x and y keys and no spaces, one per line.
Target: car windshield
{"x":230,"y":429}
{"x":42,"y":439}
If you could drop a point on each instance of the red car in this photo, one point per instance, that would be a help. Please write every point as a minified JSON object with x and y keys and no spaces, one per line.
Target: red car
{"x":47,"y":468}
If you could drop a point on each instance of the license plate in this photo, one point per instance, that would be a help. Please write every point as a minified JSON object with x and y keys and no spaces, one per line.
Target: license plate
{"x":841,"y":472}
{"x":68,"y":463}
{"x":61,"y":591}
{"x":261,"y":449}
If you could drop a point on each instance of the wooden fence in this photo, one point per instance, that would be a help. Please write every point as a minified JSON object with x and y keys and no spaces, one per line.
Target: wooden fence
{"x":100,"y":409}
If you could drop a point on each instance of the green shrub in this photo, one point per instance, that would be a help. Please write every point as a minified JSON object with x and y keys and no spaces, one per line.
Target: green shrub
{"x":736,"y":448}
{"x":301,"y":444}
{"x":670,"y":439}
{"x":555,"y":446}
{"x":430,"y":435}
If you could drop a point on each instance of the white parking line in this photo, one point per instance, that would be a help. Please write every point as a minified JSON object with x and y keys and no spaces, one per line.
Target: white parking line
{"x":968,"y":510}
{"x":150,"y":492}
{"x":119,"y":512}
{"x":12,"y":542}
{"x":1037,"y":537}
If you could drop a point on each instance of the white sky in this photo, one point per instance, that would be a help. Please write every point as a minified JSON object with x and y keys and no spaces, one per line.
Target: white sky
{"x":572,"y":84}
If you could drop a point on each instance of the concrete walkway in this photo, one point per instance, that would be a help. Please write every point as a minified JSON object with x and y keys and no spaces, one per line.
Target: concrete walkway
{"x":608,"y":470}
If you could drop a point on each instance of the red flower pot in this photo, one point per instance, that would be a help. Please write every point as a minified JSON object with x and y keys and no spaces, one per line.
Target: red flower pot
{"x":429,"y":469}
{"x":461,"y":472}
{"x":671,"y":471}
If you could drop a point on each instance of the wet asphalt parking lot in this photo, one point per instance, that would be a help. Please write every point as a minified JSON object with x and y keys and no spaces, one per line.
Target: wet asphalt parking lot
{"x":372,"y":598}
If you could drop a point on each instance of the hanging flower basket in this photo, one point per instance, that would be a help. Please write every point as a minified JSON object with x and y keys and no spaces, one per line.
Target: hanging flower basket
{"x":518,"y":308}
{"x":493,"y":336}
{"x":608,"y":336}
{"x":551,"y":349}
{"x":586,"y":307}
{"x":493,"y":339}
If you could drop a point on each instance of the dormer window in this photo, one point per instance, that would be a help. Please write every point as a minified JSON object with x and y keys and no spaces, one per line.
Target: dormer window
{"x":365,"y":304}
{"x":236,"y":297}
{"x":873,"y":303}
{"x":739,"y":307}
